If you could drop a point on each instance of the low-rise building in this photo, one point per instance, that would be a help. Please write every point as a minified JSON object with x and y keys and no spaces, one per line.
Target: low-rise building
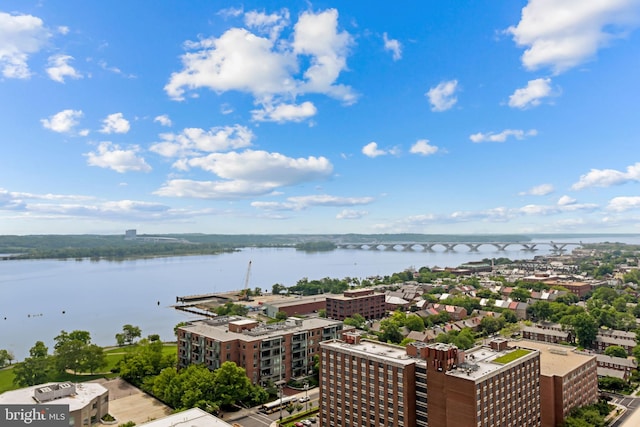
{"x":88,"y":402}
{"x":294,"y":306}
{"x":618,"y":367}
{"x":365,"y":302}
{"x":194,"y":417}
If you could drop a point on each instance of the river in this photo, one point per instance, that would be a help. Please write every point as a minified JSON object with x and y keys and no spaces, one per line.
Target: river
{"x":39,"y":298}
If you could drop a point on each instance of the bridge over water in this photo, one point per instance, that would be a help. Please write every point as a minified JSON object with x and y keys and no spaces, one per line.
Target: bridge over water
{"x":451,"y":246}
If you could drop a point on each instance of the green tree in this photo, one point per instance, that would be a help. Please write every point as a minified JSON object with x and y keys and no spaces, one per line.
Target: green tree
{"x":508,"y":316}
{"x":71,"y":350}
{"x":144,"y":360}
{"x":278,"y":288}
{"x":6,"y":356}
{"x":94,"y":359}
{"x":616,"y":351}
{"x":357,"y":320}
{"x":281,"y":315}
{"x":34,"y":369}
{"x":413,"y":322}
{"x":491,"y":325}
{"x":520,"y":294}
{"x":586,"y":329}
{"x":231,"y":384}
{"x":322,"y":312}
{"x":390,"y":331}
{"x":129,"y":334}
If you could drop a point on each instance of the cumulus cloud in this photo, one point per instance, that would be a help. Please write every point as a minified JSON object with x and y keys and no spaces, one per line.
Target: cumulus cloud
{"x":372,"y":150}
{"x":115,"y":123}
{"x":423,"y":148}
{"x":59,"y":68}
{"x":249,"y":173}
{"x":20,"y":36}
{"x":271,"y":24}
{"x":624,"y":203}
{"x":111,"y":156}
{"x":608,"y":177}
{"x":284,"y":112}
{"x":566,"y":200}
{"x":193,"y":141}
{"x":442,"y":97}
{"x":531,"y":95}
{"x":62,"y":122}
{"x":164,"y":120}
{"x":269,"y":68}
{"x":393,"y":46}
{"x":563,"y":34}
{"x":539,"y":190}
{"x":502,"y":136}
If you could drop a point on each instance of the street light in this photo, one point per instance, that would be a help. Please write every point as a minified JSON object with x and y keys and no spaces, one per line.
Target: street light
{"x":306,"y":395}
{"x":280,"y":384}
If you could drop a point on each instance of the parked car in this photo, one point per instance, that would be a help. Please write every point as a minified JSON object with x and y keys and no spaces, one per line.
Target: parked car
{"x":299,"y":425}
{"x":306,"y":422}
{"x":304,"y":399}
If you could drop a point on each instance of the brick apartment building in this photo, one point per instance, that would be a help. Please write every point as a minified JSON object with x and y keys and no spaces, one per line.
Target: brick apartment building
{"x":268,"y":352}
{"x":366,"y":302}
{"x":296,"y":305}
{"x":568,"y":380}
{"x":366,"y":383}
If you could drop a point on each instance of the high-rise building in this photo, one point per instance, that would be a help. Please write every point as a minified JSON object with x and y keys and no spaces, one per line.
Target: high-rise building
{"x":268,"y":352}
{"x":369,"y":384}
{"x":568,"y":380}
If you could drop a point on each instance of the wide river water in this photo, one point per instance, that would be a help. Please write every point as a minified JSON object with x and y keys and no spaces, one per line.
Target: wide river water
{"x":39,"y":298}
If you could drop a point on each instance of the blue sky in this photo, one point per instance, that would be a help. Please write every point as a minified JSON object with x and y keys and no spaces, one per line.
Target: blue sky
{"x":323,"y":117}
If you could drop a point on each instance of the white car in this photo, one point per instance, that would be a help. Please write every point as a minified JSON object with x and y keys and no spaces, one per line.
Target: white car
{"x":306,"y":422}
{"x":304,"y":399}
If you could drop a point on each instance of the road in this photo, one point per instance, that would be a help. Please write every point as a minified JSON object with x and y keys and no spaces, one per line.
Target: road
{"x":254,"y":418}
{"x":631,"y":417}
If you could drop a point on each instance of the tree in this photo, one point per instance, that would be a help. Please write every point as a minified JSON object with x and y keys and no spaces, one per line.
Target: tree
{"x":357,"y":320}
{"x":322,"y":312}
{"x":72,"y":349}
{"x":586,"y":329}
{"x":34,"y":369}
{"x":6,"y":356}
{"x":278,"y":289}
{"x":144,"y":360}
{"x":413,"y":322}
{"x":509,"y":316}
{"x":491,"y":325}
{"x":540,"y":310}
{"x":230,"y":383}
{"x":281,"y":315}
{"x":93,"y":359}
{"x":390,"y":331}
{"x":128,"y":335}
{"x":616,"y":351}
{"x":520,"y":294}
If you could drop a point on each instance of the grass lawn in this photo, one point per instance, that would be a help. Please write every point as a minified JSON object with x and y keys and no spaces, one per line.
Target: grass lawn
{"x":112,"y":357}
{"x":510,"y":357}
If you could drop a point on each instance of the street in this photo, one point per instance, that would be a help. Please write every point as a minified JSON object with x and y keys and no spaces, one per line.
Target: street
{"x":254,"y":418}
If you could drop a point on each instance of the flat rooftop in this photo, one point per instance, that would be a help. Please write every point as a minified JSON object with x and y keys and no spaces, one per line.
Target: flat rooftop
{"x":373,"y":350}
{"x":195,"y":417}
{"x":555,"y":359}
{"x":218,"y":329}
{"x":85,"y":393}
{"x":482,"y":362}
{"x":288,"y":301}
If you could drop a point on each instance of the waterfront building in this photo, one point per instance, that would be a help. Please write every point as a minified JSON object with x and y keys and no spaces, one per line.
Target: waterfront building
{"x":294,"y":306}
{"x":268,"y":352}
{"x":568,"y":380}
{"x":366,"y":302}
{"x":88,"y":402}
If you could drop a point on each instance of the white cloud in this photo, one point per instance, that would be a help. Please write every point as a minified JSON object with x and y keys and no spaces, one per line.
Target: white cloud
{"x":192,"y":141}
{"x":563,"y":34}
{"x":111,"y":156}
{"x":423,"y":147}
{"x":103,"y":64}
{"x":442,"y":97}
{"x":608,"y":177}
{"x":303,"y":202}
{"x":624,"y":203}
{"x":502,"y":136}
{"x":284,"y":112}
{"x":351,"y":214}
{"x":372,"y":150}
{"x":271,"y":24}
{"x":243,"y":61}
{"x":393,"y":46}
{"x":115,"y":123}
{"x":245,"y":174}
{"x":566,"y":200}
{"x":531,"y":95}
{"x":63,"y":29}
{"x":62,"y":122}
{"x":20,"y":36}
{"x":164,"y":120}
{"x":59,"y":68}
{"x":539,"y":190}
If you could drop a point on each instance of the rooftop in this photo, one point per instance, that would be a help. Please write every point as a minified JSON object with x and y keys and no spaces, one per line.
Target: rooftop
{"x":85,"y":393}
{"x":555,"y":359}
{"x":374,"y":350}
{"x":195,"y":417}
{"x":482,"y":362}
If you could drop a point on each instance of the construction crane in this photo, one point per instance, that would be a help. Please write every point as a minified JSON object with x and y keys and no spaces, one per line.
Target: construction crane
{"x":246,"y":283}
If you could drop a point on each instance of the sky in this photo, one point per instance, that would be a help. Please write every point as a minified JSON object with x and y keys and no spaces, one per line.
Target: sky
{"x":465,"y":117}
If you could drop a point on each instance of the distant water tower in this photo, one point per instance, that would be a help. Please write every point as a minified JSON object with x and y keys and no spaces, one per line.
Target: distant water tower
{"x":130,"y":234}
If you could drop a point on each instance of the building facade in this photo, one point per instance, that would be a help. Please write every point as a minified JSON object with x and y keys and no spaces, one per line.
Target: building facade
{"x":366,"y":302}
{"x":568,"y":380}
{"x":268,"y":352}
